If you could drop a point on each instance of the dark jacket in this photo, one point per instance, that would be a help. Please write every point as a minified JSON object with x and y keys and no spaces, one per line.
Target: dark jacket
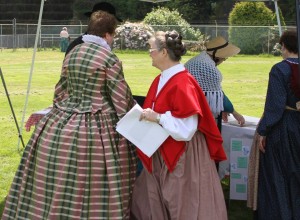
{"x":74,"y":43}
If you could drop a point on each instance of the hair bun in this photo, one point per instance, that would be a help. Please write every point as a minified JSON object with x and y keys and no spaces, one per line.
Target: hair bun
{"x":174,"y":43}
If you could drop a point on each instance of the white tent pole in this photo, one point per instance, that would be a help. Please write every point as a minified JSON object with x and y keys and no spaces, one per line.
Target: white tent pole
{"x":278,"y":17}
{"x":32,"y":65}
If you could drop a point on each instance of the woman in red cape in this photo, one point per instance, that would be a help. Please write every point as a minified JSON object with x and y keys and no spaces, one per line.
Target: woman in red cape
{"x":180,"y":180}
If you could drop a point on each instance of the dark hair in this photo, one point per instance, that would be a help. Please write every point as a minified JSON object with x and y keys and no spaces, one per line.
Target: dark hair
{"x":290,"y":41}
{"x":172,"y":42}
{"x":102,"y":22}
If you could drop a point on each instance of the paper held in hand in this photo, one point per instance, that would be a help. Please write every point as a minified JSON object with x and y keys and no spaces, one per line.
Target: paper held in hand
{"x":145,"y":135}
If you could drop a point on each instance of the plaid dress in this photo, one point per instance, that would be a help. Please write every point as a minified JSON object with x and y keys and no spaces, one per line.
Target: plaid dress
{"x":76,"y":166}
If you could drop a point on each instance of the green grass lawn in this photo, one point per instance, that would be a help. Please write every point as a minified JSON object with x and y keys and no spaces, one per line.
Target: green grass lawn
{"x":244,"y":82}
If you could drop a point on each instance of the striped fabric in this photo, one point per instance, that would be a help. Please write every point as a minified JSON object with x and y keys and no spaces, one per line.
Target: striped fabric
{"x":76,"y":166}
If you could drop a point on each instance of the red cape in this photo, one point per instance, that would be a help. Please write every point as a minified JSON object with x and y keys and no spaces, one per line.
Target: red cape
{"x":183,"y":97}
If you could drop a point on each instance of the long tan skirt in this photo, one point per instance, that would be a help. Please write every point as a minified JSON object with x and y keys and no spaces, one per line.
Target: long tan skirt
{"x":192,"y":191}
{"x":253,"y":169}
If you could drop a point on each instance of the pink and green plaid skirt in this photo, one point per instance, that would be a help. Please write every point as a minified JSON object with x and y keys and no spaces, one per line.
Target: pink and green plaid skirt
{"x":75,"y":166}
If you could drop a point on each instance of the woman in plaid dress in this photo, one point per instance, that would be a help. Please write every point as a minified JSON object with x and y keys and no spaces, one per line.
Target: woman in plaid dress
{"x":76,"y":166}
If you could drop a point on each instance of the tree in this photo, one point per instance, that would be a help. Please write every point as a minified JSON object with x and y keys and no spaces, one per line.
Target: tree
{"x":28,"y":10}
{"x":251,"y":40}
{"x":194,"y":11}
{"x":221,"y":10}
{"x":129,"y":10}
{"x":80,"y":7}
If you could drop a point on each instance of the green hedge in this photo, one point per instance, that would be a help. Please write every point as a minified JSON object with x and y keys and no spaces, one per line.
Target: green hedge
{"x":252,"y":40}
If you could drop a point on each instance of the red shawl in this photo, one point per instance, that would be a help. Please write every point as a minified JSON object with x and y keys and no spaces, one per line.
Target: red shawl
{"x":183,"y":97}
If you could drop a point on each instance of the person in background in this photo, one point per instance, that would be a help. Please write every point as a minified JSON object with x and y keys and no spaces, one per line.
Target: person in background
{"x":180,"y":180}
{"x":103,"y":6}
{"x":204,"y":68}
{"x":76,"y":165}
{"x":64,"y":39}
{"x":279,"y":138}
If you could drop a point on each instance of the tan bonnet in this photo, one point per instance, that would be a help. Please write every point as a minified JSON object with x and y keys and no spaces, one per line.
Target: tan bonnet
{"x":219,"y":47}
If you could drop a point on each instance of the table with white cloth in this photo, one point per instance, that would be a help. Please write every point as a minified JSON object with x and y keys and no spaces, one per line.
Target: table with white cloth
{"x":237,"y":143}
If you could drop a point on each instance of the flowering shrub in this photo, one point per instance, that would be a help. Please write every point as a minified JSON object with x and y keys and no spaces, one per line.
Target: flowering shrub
{"x":276,"y":50}
{"x":132,"y":36}
{"x":135,"y":36}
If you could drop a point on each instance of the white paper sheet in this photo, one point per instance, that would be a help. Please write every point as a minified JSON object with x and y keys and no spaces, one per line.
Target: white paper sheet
{"x":145,"y":135}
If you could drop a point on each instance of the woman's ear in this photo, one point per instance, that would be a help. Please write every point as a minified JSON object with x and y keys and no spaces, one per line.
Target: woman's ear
{"x":106,"y":36}
{"x":165,"y":51}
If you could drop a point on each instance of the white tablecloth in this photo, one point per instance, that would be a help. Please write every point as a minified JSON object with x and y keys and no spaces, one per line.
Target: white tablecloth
{"x":237,"y":143}
{"x":233,"y":130}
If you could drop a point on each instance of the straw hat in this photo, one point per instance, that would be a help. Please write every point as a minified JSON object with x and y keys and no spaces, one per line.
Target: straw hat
{"x":219,"y":47}
{"x":103,"y":6}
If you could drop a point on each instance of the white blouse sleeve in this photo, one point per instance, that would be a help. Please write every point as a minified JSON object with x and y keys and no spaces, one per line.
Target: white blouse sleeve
{"x":181,"y":129}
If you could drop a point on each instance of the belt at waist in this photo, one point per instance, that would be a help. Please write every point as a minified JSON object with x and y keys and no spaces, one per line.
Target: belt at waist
{"x":293,"y":109}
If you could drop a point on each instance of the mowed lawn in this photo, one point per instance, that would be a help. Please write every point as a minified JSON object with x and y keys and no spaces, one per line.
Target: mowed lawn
{"x":244,"y":81}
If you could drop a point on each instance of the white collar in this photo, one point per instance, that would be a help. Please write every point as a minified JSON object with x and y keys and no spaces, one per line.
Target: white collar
{"x":168,"y":73}
{"x":95,"y":39}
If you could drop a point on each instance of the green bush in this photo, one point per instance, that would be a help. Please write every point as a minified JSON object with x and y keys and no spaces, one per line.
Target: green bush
{"x":162,"y":19}
{"x":251,"y":39}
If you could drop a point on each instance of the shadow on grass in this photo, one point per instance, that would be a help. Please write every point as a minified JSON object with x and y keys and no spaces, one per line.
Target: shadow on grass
{"x":2,"y":203}
{"x":236,"y":209}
